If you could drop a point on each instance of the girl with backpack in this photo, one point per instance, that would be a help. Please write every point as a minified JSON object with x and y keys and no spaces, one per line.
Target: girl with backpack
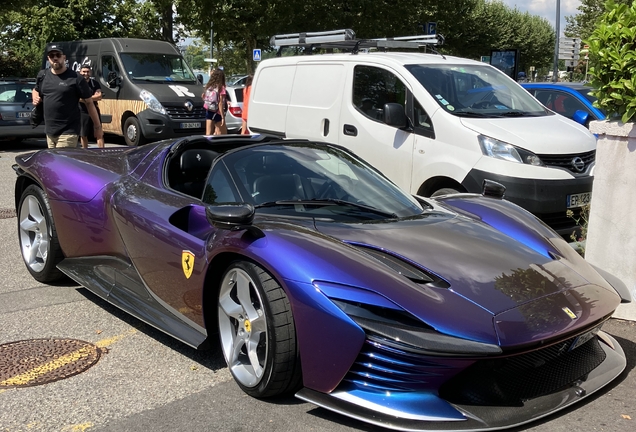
{"x":213,"y":101}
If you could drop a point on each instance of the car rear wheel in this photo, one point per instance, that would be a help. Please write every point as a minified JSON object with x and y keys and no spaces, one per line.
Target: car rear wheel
{"x":38,"y":239}
{"x":257,"y":332}
{"x":132,"y":132}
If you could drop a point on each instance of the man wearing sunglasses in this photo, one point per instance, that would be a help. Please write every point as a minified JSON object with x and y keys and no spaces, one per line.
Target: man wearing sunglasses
{"x":60,"y":89}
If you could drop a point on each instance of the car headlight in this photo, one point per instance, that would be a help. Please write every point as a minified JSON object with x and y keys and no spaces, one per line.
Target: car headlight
{"x":501,"y":150}
{"x":152,"y":102}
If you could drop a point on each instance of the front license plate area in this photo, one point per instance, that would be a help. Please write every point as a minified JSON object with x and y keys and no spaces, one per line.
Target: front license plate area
{"x":191,"y":125}
{"x":26,"y":114}
{"x":578,"y":200}
{"x":585,"y":337}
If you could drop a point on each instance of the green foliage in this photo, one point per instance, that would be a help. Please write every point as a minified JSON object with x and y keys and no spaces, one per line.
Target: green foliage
{"x":583,"y":24}
{"x":471,"y":27}
{"x":580,"y":235}
{"x":613,"y":61}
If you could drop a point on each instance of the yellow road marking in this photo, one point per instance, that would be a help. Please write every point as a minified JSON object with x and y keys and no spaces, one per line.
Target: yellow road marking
{"x":33,"y":374}
{"x":109,"y":341}
{"x":78,"y":427}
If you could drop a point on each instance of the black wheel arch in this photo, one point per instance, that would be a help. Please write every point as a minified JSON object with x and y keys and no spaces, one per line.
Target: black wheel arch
{"x":436,"y":183}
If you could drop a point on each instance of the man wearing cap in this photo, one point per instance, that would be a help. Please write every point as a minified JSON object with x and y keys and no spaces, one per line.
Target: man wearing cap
{"x":60,"y":89}
{"x":87,"y":122}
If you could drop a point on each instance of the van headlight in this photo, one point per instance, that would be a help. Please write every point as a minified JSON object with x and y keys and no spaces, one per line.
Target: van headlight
{"x":502,"y":150}
{"x":152,"y":102}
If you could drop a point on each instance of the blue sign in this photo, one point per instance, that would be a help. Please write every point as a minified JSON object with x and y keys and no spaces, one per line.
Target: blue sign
{"x":256,"y":54}
{"x":431,"y":28}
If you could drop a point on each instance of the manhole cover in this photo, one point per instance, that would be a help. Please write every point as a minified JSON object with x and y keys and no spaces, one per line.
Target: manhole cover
{"x":7,"y":213}
{"x":40,"y":361}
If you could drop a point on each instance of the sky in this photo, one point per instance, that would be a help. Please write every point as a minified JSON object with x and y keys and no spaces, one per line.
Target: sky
{"x":546,"y":9}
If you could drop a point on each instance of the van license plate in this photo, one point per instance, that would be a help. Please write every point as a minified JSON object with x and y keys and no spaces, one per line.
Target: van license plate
{"x":579,"y":200}
{"x":193,"y":125}
{"x":26,"y":114}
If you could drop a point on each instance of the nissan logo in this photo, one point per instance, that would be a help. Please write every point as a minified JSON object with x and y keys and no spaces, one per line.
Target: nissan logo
{"x":189,"y":107}
{"x":578,"y":164}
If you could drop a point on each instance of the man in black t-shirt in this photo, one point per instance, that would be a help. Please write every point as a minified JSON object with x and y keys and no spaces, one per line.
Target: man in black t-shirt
{"x":87,"y":123}
{"x":60,"y":90}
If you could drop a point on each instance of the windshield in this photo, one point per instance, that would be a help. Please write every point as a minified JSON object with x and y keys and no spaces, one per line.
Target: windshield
{"x":307,"y":179}
{"x":157,"y":67}
{"x":16,"y":92}
{"x":476,"y":91}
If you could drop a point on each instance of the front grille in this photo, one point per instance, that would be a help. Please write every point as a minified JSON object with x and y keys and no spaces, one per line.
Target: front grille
{"x":512,"y":380}
{"x":383,"y":368}
{"x":181,"y":113}
{"x":565,"y":161}
{"x":561,"y":221}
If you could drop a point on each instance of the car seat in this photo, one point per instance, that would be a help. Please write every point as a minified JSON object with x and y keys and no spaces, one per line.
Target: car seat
{"x":194,"y":165}
{"x":21,"y":97}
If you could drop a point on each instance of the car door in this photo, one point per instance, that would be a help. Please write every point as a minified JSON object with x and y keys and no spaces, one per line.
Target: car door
{"x":388,"y":148}
{"x":165,"y":234}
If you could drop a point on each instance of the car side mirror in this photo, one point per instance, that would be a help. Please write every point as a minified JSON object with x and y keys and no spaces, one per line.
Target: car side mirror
{"x":394,"y":115}
{"x":113,"y":79}
{"x":580,"y":117}
{"x":233,"y":217}
{"x":200,"y":78}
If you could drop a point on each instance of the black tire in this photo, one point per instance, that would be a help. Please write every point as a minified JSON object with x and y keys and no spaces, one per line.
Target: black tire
{"x":444,"y":191}
{"x":39,"y":244}
{"x":253,"y":307}
{"x":133,"y":135}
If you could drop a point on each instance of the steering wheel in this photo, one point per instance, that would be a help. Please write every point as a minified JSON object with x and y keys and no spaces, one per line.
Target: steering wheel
{"x":482,"y":104}
{"x":328,"y":190}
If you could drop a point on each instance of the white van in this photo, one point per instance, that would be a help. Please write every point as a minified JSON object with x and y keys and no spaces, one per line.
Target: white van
{"x":433,"y":124}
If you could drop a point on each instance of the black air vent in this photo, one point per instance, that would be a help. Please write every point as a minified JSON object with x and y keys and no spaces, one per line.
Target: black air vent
{"x":409,"y":271}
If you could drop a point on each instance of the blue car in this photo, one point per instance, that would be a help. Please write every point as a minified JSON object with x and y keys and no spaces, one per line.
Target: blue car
{"x":572,"y":100}
{"x":315,"y":275}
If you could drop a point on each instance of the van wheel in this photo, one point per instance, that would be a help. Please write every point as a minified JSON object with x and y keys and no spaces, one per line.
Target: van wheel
{"x":132,"y":132}
{"x":444,"y":191}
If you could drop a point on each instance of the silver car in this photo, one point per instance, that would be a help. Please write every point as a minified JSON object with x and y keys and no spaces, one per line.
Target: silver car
{"x":15,"y":110}
{"x":234,"y":111}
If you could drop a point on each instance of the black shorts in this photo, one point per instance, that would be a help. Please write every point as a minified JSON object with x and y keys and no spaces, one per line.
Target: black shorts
{"x":87,"y":124}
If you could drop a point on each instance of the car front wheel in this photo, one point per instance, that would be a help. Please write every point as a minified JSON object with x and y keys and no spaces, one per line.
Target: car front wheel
{"x":38,"y":239}
{"x":257,"y":332}
{"x":133,"y":134}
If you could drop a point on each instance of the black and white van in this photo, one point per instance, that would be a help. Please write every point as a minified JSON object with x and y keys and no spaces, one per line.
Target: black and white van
{"x":149,"y":92}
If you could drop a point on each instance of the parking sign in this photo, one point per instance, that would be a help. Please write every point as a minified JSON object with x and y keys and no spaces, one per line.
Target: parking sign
{"x":256,"y":54}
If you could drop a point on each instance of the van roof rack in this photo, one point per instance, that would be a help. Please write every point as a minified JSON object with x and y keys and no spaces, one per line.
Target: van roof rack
{"x":345,"y":39}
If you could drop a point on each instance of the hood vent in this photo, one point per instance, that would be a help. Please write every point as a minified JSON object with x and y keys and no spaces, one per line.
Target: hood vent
{"x":404,"y":268}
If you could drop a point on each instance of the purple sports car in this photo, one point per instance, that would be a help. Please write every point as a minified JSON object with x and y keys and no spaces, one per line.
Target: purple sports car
{"x":316,"y":275}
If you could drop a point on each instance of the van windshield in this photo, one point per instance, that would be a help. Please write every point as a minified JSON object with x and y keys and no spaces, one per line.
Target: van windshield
{"x":476,"y":91}
{"x":157,"y":67}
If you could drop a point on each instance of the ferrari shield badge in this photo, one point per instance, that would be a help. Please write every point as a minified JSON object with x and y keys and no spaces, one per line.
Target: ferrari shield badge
{"x":569,"y":312}
{"x":187,"y":263}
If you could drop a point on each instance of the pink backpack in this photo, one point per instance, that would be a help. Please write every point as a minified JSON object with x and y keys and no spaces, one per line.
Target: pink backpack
{"x":211,"y":100}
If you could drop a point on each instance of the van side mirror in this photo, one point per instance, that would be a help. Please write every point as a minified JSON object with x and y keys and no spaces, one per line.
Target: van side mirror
{"x":394,"y":115}
{"x":200,"y":78}
{"x":113,"y":79}
{"x":580,"y":117}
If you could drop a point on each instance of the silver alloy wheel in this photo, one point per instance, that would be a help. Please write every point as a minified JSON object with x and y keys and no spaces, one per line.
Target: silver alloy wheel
{"x":243,"y":327}
{"x":131,"y":132}
{"x":34,"y":234}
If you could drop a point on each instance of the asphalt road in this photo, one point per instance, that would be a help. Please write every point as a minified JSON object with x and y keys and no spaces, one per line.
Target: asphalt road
{"x":147,"y":381}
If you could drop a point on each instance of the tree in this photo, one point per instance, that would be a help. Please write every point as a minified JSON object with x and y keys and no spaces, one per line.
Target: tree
{"x":583,"y":24}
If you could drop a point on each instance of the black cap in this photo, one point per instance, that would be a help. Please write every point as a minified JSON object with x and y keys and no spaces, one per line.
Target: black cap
{"x":52,"y":48}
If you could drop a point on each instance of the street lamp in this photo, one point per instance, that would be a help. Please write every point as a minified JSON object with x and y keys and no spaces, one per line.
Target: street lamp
{"x":555,"y":73}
